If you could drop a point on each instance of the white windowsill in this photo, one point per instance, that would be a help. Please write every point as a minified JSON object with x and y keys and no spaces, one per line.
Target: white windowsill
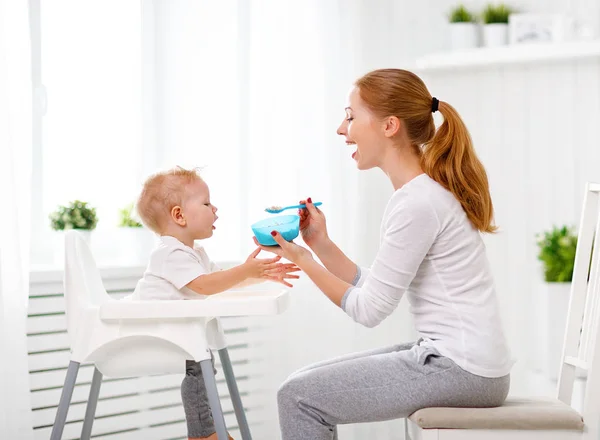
{"x":509,"y":55}
{"x":43,"y":274}
{"x":51,"y":274}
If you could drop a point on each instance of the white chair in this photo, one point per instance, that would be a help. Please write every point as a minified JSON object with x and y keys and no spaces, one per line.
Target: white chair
{"x":543,"y":419}
{"x":129,"y":338}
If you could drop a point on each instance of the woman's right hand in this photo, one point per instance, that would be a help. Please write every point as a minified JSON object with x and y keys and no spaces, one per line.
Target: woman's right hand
{"x":312,"y":224}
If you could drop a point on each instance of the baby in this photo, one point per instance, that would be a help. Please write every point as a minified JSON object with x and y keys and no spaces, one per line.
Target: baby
{"x":175,"y":204}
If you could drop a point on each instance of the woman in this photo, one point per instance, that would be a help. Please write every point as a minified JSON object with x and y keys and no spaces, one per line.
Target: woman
{"x":430,"y":249}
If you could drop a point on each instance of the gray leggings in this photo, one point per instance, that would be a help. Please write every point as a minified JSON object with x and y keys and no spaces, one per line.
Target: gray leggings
{"x":198,"y":414}
{"x":378,"y":385}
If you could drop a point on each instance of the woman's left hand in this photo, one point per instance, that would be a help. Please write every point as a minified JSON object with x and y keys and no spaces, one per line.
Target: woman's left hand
{"x":286,"y":249}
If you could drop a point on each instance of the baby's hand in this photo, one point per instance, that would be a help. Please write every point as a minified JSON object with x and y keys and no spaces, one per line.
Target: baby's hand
{"x":269,"y":269}
{"x":256,"y":267}
{"x":283,"y":272}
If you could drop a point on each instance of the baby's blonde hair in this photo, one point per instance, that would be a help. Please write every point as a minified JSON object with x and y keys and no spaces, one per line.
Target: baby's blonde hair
{"x":160,"y":193}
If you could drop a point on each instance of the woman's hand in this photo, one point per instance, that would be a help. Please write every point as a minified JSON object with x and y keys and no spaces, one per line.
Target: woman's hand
{"x":312,"y":224}
{"x":288,"y":250}
{"x":327,"y":282}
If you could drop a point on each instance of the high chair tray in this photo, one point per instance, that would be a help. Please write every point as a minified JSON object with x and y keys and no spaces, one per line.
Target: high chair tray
{"x":230,"y":303}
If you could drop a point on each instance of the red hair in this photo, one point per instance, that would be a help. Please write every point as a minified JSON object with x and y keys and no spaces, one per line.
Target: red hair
{"x":161,"y":192}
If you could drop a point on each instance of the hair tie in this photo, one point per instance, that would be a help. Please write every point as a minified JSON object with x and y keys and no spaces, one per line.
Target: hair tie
{"x":434,"y":104}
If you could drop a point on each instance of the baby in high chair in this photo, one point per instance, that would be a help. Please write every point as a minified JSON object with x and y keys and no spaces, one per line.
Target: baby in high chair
{"x":175,"y":204}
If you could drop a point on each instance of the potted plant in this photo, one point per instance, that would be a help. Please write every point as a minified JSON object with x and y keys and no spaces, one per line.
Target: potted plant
{"x":75,"y":215}
{"x":136,"y":240}
{"x":463,"y":28}
{"x":128,"y":218}
{"x":557,"y":248}
{"x":495,"y":29}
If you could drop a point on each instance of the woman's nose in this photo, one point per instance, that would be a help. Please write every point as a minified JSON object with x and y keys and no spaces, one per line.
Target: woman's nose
{"x":215,"y":209}
{"x":342,"y":128}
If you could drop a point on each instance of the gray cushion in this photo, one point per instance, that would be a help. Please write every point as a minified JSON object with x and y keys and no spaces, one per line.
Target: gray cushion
{"x":516,"y":413}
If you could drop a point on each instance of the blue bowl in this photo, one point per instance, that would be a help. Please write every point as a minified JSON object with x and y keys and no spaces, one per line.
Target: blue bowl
{"x":287,"y":225}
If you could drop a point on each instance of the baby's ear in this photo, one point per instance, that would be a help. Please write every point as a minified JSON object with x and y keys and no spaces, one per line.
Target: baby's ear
{"x":177,"y":216}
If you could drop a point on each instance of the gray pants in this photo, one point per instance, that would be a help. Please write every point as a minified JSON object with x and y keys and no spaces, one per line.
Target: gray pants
{"x":198,"y":414}
{"x":378,"y":385}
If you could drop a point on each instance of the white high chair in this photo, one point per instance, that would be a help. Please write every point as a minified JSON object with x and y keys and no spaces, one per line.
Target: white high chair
{"x":543,"y":419}
{"x":128,"y":338}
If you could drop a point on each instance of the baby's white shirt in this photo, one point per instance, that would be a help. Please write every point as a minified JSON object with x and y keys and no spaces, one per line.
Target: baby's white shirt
{"x":171,"y":267}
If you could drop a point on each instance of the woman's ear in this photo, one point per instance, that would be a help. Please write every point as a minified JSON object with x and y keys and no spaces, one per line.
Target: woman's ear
{"x":392,"y":126}
{"x":177,"y":215}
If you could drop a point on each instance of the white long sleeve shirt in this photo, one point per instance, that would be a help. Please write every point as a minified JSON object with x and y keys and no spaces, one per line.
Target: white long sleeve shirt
{"x":430,"y":250}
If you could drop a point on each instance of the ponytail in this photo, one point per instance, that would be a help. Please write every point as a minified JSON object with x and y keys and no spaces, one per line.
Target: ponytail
{"x":449,"y":159}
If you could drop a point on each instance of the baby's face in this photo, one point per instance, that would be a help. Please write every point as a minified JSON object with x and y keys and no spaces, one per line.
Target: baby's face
{"x":200,"y":214}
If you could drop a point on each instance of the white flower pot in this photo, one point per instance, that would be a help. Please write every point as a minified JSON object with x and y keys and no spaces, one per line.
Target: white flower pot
{"x":59,"y":245}
{"x":464,"y":36}
{"x":557,"y":306}
{"x":495,"y":34}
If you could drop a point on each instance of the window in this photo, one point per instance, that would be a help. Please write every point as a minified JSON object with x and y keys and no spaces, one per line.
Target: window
{"x":91,"y":143}
{"x":109,"y":122}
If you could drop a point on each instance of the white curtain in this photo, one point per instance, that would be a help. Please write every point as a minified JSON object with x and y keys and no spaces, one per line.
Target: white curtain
{"x":254,"y":91}
{"x":15,"y":199}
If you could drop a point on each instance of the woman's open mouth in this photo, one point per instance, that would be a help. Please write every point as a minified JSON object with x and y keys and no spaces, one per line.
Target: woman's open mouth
{"x":352,"y":143}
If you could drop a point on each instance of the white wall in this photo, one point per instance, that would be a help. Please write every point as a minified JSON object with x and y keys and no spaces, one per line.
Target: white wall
{"x":394,"y":33}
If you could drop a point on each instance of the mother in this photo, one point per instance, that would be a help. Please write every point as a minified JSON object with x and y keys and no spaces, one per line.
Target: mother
{"x":430,"y":249}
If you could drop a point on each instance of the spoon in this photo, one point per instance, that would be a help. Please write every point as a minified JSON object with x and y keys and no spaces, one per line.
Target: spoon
{"x":278,"y":209}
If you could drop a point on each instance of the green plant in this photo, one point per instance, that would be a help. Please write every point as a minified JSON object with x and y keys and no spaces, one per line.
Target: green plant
{"x":557,"y":252}
{"x":496,"y":14}
{"x":76,"y":215}
{"x":128,"y":217}
{"x":460,"y":14}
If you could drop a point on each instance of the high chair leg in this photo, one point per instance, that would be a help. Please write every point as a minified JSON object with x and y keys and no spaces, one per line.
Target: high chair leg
{"x":90,"y":410}
{"x":65,"y":400}
{"x":235,"y":394}
{"x":213,"y":398}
